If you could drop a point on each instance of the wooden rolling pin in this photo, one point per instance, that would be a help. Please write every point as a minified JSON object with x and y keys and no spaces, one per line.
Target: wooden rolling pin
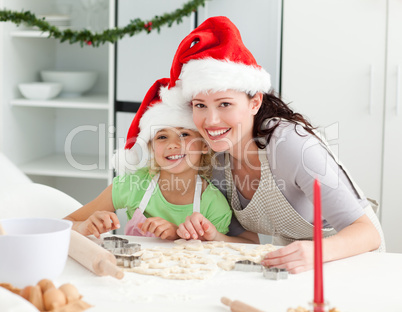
{"x":93,"y":257}
{"x":238,"y":306}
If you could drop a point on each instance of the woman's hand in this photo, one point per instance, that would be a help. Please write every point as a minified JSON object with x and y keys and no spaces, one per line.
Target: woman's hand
{"x":160,"y":227}
{"x":296,"y":257}
{"x":197,"y":226}
{"x":99,"y":222}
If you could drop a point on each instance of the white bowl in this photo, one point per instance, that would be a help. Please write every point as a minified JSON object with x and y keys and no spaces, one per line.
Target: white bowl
{"x":33,"y":249}
{"x":57,"y":19}
{"x":40,"y":90}
{"x":75,"y":83}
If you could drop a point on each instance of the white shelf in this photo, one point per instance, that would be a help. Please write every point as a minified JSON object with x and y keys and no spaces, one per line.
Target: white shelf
{"x":99,"y":102}
{"x":30,"y":34}
{"x":57,"y":165}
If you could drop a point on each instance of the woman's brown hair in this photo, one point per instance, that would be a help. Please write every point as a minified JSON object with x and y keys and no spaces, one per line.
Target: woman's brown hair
{"x":272,"y":106}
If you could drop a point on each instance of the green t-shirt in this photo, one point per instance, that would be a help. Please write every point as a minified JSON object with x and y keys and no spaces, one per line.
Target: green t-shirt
{"x":128,"y":191}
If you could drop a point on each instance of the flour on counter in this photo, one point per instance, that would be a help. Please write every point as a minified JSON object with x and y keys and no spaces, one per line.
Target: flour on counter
{"x":195,"y":260}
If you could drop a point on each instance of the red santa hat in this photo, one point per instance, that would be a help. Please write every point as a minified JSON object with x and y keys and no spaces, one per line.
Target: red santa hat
{"x":152,"y":116}
{"x":213,"y":58}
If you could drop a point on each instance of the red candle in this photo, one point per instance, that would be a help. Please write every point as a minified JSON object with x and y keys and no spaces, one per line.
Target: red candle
{"x":318,"y":277}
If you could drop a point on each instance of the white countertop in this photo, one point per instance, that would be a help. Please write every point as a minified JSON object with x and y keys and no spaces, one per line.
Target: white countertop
{"x":368,"y":282}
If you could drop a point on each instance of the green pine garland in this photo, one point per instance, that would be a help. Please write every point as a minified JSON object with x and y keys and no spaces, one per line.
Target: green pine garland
{"x":109,"y":35}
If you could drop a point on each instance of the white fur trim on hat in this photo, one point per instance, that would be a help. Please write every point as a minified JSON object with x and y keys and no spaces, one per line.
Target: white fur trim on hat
{"x":160,"y":116}
{"x":220,"y":75}
{"x":173,"y":96}
{"x":215,"y":75}
{"x":129,"y":160}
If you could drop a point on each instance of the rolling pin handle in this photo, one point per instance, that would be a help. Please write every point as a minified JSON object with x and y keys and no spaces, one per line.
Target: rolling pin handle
{"x":108,"y":268}
{"x":226,"y":301}
{"x":238,"y":306}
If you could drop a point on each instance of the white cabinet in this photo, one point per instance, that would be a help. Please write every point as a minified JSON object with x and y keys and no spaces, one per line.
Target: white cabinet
{"x":392,"y":174}
{"x":340,"y":61}
{"x":63,"y":142}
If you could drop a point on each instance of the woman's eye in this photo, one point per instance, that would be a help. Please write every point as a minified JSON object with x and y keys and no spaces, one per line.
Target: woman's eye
{"x":225,"y":104}
{"x":199,"y":105}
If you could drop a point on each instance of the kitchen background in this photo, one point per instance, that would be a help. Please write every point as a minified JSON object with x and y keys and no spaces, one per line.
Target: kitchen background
{"x":338,"y":62}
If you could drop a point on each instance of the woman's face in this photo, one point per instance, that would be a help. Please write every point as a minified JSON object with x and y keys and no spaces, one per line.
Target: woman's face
{"x":177,"y":150}
{"x":225,"y":119}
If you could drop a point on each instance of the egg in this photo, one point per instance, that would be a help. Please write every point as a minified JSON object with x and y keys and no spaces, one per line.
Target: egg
{"x":54,"y":298}
{"x":70,"y":291}
{"x":45,"y":284}
{"x":35,"y":297}
{"x":25,"y":292}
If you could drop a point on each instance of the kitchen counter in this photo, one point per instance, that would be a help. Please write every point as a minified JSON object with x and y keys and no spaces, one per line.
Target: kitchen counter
{"x":368,"y":282}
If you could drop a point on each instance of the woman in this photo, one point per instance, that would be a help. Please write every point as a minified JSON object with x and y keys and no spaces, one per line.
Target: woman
{"x":270,"y":155}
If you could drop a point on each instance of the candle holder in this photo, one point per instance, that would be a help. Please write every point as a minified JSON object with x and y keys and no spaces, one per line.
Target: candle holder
{"x":321,"y":307}
{"x":314,"y":307}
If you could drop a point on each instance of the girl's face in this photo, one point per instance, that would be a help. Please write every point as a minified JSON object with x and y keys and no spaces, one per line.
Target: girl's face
{"x":225,"y":119}
{"x":178,"y":150}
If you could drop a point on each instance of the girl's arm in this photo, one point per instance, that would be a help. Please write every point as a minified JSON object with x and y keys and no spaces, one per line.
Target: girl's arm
{"x":359,"y":237}
{"x":97,"y":216}
{"x":197,"y":226}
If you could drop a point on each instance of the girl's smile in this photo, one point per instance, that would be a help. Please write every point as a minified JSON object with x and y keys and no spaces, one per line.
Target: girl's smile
{"x":175,"y":157}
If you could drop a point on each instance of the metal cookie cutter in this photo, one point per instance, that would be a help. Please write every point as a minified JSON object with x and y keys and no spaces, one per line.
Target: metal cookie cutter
{"x":247,"y":266}
{"x":275,"y":273}
{"x":123,"y":251}
{"x":128,"y":261}
{"x":127,"y":249}
{"x":113,"y":242}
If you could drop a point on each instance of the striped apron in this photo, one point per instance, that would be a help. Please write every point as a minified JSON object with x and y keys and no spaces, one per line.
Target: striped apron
{"x":270,"y":213}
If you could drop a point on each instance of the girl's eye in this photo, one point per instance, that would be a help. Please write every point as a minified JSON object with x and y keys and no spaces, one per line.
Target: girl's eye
{"x":161,"y":137}
{"x":184,"y":134}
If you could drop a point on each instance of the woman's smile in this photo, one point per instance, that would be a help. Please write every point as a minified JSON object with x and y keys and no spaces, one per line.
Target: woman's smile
{"x":217,"y":134}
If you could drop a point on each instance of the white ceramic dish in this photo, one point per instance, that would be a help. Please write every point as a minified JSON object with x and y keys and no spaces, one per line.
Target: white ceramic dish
{"x":33,"y":249}
{"x":40,"y":90}
{"x":75,"y":83}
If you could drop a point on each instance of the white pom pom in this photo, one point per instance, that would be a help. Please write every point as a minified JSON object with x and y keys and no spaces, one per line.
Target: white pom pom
{"x":174,"y":97}
{"x":126,"y":161}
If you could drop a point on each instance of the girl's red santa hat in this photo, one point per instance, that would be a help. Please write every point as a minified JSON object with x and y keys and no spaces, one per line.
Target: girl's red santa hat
{"x":152,"y":116}
{"x":213,"y":58}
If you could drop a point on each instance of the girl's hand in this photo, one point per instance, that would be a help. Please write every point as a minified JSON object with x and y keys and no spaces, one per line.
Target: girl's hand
{"x":160,"y":227}
{"x":197,"y":226}
{"x":296,"y":257}
{"x":99,"y":222}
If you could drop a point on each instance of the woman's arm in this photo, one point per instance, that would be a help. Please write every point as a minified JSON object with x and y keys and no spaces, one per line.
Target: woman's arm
{"x":298,"y":160}
{"x":97,"y":216}
{"x":359,"y":237}
{"x":246,"y":237}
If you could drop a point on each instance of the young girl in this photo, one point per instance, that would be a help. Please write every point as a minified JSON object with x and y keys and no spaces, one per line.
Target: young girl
{"x":269,"y":155}
{"x":160,"y":196}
